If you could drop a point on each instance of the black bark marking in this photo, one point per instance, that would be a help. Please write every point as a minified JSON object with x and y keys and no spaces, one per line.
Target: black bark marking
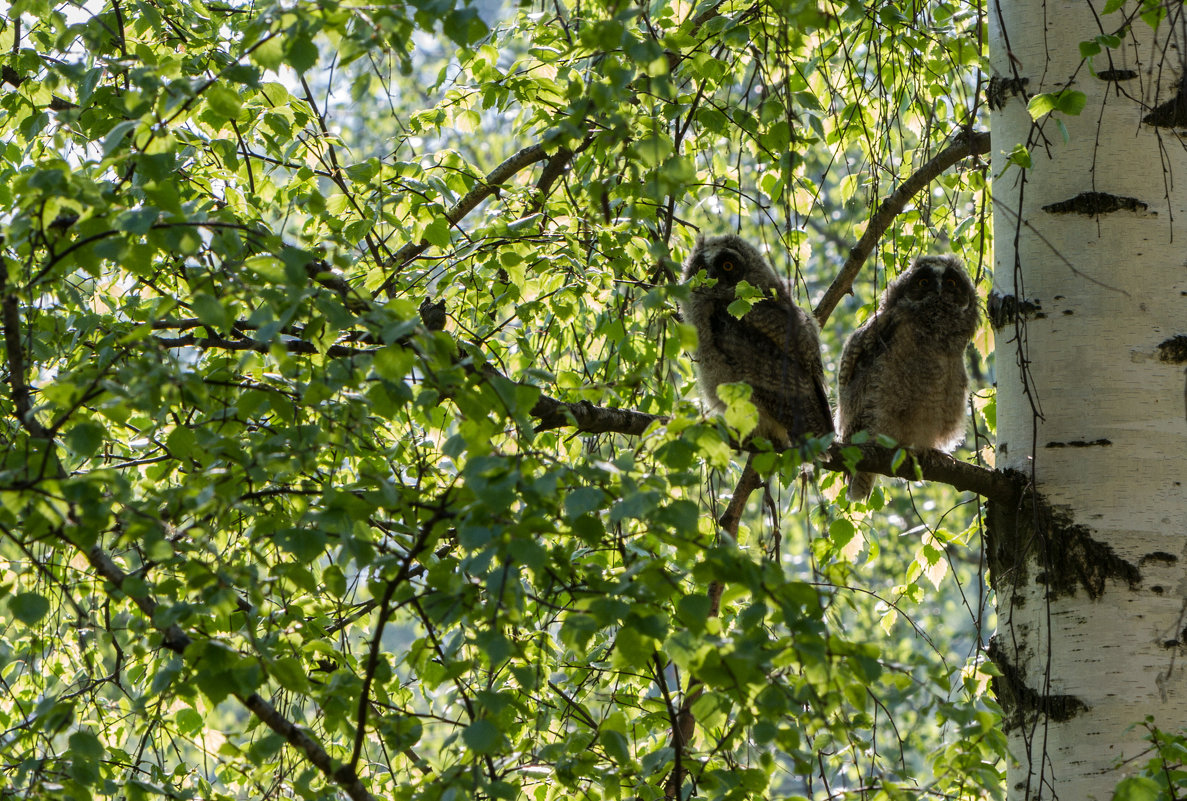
{"x":1174,"y":350}
{"x":1079,"y":443}
{"x":1066,"y":555}
{"x":1094,"y":203}
{"x":1002,"y":89}
{"x":1005,"y":310}
{"x":1158,"y":556}
{"x":1021,"y":703}
{"x":1172,"y":113}
{"x":1117,"y":75}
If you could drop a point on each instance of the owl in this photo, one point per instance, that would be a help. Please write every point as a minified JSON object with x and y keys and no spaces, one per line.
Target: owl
{"x":774,"y":347}
{"x":902,"y":373}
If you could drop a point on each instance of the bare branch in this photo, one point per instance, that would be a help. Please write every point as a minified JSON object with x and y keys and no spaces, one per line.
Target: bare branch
{"x":554,"y":168}
{"x":259,"y":346}
{"x":590,"y":419}
{"x":932,"y":466}
{"x":965,"y":145}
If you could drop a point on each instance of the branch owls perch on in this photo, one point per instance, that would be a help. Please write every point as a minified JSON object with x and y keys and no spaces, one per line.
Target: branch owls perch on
{"x":902,"y":373}
{"x":774,"y":347}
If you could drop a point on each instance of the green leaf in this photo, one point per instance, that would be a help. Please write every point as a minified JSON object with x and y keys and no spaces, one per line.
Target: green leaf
{"x":87,"y":755}
{"x":482,"y":736}
{"x":616,"y":745}
{"x":211,"y":312}
{"x":224,"y":101}
{"x":841,"y":532}
{"x":137,"y":221}
{"x":741,"y":414}
{"x":1067,"y":101}
{"x":464,"y":26}
{"x":632,"y":649}
{"x":1072,"y":102}
{"x":29,"y":607}
{"x":1137,"y":788}
{"x":270,"y":54}
{"x":290,"y":674}
{"x":86,"y":437}
{"x":116,"y":135}
{"x":437,"y":233}
{"x":583,"y":500}
{"x":301,"y":53}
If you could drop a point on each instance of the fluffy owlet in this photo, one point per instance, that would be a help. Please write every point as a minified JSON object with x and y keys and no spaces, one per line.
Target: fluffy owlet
{"x":774,"y":347}
{"x":902,"y":373}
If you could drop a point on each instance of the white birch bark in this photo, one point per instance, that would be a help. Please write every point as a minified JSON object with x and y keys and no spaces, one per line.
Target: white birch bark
{"x":1092,"y":623}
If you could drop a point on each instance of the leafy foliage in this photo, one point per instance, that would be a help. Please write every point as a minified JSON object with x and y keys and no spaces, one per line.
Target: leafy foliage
{"x":242,"y":461}
{"x":1162,"y":774}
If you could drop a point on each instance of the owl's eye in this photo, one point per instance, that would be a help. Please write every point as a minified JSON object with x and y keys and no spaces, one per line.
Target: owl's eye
{"x":950,"y":283}
{"x":728,"y":265}
{"x":923,"y":281}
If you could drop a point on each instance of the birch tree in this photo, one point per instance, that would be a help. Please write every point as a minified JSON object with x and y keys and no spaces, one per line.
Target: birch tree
{"x":348,"y":445}
{"x":1090,"y":315}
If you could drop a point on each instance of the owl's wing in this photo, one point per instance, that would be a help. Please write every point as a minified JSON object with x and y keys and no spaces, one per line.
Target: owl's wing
{"x":865,"y":346}
{"x":801,"y":400}
{"x":777,"y":321}
{"x":859,"y":364}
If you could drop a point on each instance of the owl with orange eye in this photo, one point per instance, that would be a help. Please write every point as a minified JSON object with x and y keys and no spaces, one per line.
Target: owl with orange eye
{"x":774,"y":346}
{"x":902,"y":372}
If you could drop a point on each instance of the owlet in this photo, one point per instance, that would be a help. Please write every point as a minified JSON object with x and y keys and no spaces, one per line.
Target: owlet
{"x":902,"y":373}
{"x":774,"y":347}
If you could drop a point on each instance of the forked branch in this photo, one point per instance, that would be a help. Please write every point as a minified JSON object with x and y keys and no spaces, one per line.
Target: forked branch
{"x":176,"y":640}
{"x":967,"y":144}
{"x":484,"y":189}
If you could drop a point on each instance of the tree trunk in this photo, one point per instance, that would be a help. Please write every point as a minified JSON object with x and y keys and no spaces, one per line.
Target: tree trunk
{"x":1090,"y":315}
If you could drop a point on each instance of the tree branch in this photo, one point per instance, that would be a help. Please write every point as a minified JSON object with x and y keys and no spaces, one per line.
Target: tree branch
{"x":177,"y":641}
{"x":554,"y":168}
{"x":933,"y":465}
{"x":485,"y":188}
{"x":590,"y":419}
{"x":291,"y":345}
{"x":21,"y":397}
{"x":686,"y":722}
{"x":965,"y":144}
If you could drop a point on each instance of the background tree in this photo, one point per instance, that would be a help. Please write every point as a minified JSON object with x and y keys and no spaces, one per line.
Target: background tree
{"x":1088,"y":307}
{"x":349,"y":441}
